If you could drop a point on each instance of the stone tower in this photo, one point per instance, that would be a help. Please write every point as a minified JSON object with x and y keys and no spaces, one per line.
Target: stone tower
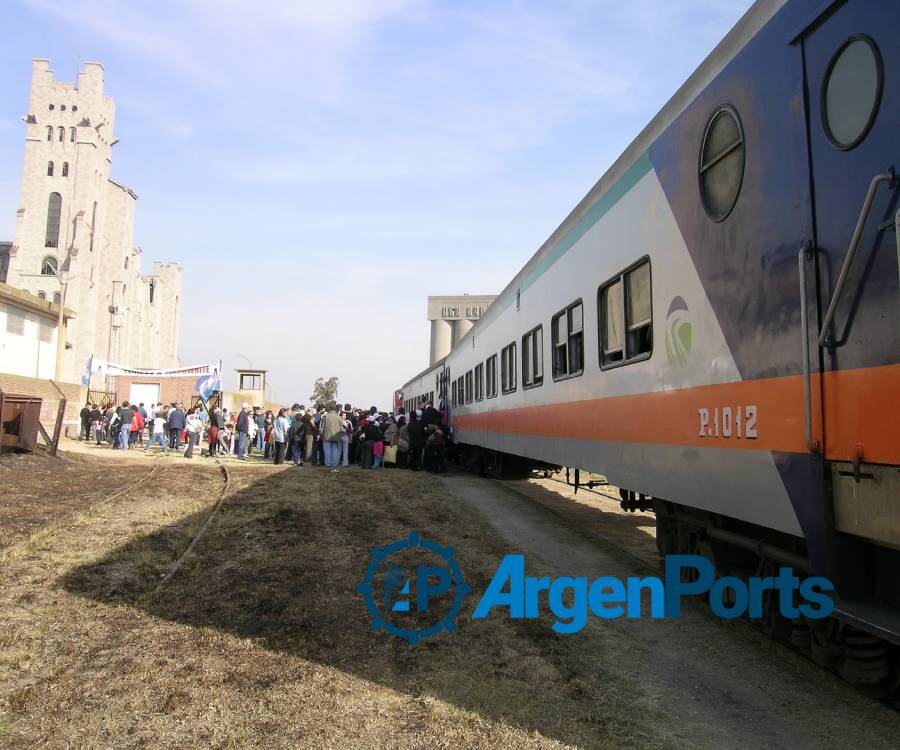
{"x":76,"y":219}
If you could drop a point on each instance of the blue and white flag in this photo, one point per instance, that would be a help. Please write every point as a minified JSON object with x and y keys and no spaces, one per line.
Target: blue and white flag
{"x":207,"y":385}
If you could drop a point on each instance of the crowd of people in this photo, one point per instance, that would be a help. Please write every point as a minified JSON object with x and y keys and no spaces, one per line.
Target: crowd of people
{"x":329,"y":436}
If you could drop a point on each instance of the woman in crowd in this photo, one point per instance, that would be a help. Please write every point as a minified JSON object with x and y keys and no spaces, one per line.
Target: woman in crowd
{"x":297,"y":435}
{"x":279,"y":433}
{"x":268,"y":424}
{"x":212,"y":437}
{"x":225,"y":439}
{"x":347,"y":429}
{"x":192,"y":426}
{"x":403,"y":445}
{"x":311,"y":435}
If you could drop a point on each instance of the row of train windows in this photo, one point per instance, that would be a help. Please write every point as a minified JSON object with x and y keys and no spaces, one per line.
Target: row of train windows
{"x":625,"y":331}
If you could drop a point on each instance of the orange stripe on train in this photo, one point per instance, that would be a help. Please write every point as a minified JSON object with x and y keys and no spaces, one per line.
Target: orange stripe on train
{"x":862,"y":407}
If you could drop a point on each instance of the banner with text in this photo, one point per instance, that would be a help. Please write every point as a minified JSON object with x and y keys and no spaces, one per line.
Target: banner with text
{"x":102,"y":367}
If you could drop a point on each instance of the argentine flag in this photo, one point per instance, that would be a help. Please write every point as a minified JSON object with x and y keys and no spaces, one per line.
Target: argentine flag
{"x":206,"y":385}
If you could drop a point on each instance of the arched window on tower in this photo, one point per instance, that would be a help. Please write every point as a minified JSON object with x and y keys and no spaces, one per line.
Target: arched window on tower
{"x":126,"y":262}
{"x":49,"y":169}
{"x":61,"y":132}
{"x":72,"y":135}
{"x":93,"y":225}
{"x":49,"y":266}
{"x":42,"y":295}
{"x":65,"y":172}
{"x":54,"y":211}
{"x":57,"y":298}
{"x":49,"y":132}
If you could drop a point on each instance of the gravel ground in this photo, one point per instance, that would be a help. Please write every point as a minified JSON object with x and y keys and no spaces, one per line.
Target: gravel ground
{"x":725,"y":684}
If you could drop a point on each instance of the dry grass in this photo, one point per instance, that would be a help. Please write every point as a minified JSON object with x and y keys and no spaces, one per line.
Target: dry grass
{"x":39,"y":489}
{"x":261,"y":639}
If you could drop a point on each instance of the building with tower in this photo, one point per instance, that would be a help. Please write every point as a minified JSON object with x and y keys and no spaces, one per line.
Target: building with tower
{"x":74,"y":236}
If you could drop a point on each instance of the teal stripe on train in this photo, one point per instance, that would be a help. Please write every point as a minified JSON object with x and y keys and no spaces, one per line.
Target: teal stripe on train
{"x":619,"y":190}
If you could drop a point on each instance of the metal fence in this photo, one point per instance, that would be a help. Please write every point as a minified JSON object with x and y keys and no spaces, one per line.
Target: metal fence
{"x":101,"y":398}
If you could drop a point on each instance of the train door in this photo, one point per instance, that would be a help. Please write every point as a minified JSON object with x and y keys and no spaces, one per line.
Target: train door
{"x":851,"y":61}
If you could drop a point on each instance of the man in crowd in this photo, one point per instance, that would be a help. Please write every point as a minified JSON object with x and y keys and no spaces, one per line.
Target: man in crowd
{"x":177,"y":422}
{"x":332,"y":428}
{"x":260,"y":419}
{"x":125,"y":416}
{"x":96,"y":420}
{"x":242,"y":428}
{"x":85,"y":415}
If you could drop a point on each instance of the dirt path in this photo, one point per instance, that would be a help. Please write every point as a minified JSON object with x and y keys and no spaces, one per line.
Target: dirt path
{"x":725,"y":684}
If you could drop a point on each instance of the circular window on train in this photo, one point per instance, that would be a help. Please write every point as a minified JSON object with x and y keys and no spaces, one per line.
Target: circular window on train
{"x":851,"y":92}
{"x":721,"y":163}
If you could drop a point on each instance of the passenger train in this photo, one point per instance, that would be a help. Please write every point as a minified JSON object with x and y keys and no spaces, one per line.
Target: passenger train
{"x":715,"y":327}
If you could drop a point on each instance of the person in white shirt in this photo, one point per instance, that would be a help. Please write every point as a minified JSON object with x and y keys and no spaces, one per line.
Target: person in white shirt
{"x":192,"y":426}
{"x":159,"y":432}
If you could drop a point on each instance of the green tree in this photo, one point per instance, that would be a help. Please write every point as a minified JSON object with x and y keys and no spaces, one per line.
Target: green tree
{"x":324,"y":391}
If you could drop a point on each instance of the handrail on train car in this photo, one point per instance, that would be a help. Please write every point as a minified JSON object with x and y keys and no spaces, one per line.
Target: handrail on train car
{"x":890,"y":177}
{"x":897,"y":238}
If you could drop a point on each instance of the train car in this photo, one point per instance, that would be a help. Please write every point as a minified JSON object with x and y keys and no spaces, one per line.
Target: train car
{"x":714,"y":327}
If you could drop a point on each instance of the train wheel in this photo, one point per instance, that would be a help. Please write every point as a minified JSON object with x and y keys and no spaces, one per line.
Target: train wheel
{"x":870,"y":664}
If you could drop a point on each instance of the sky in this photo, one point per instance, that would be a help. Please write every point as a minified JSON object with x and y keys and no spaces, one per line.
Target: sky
{"x":320,"y":168}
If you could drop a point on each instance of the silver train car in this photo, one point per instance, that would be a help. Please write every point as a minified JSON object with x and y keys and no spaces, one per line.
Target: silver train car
{"x":715,"y":327}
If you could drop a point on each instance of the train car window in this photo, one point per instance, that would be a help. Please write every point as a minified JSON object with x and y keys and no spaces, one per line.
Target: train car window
{"x":624,"y":305}
{"x":469,"y":389}
{"x":533,"y":358}
{"x":490,"y":371}
{"x":721,"y":163}
{"x":479,"y":382}
{"x":851,"y":92}
{"x":508,"y":368}
{"x":567,"y":329}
